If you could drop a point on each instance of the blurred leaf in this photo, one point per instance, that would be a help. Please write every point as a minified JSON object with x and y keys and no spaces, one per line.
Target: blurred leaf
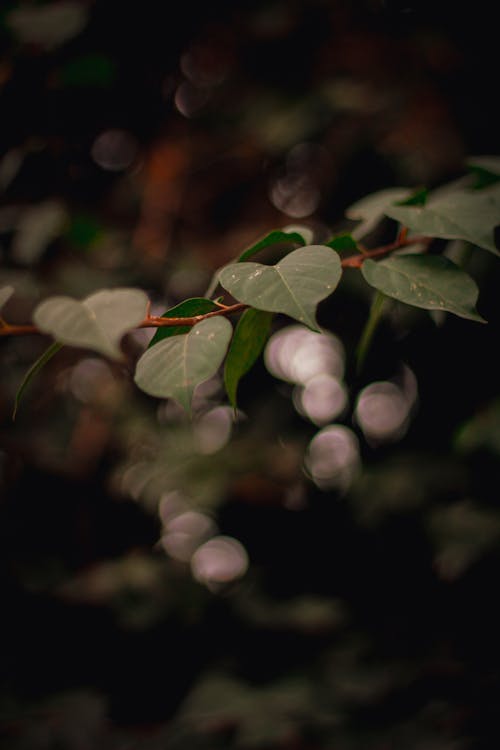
{"x":262,"y":715}
{"x":6,"y":293}
{"x":371,"y":209}
{"x":462,"y":532}
{"x":428,"y":281}
{"x":33,"y":370}
{"x":305,"y":613}
{"x":249,"y":339}
{"x":38,"y":227}
{"x":48,"y":25}
{"x":174,"y":367}
{"x":419,"y":198}
{"x":482,"y":431}
{"x":98,"y":322}
{"x":486,"y":170}
{"x":187,"y":309}
{"x":306,"y":233}
{"x":294,"y":286}
{"x":457,"y":214}
{"x":89,"y":70}
{"x":273,"y":238}
{"x":83,"y":230}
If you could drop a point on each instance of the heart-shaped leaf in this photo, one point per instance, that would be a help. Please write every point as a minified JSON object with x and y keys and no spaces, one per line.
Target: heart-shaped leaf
{"x":249,"y":338}
{"x":429,"y":281}
{"x":174,"y":367}
{"x":455,"y":215}
{"x":6,"y":293}
{"x":98,"y":322}
{"x":187,"y":309}
{"x":294,"y":286}
{"x":293,"y":234}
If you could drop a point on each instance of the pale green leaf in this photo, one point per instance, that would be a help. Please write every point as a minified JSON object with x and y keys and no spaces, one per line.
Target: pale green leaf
{"x":294,"y":286}
{"x":371,"y":209}
{"x":296,"y":234}
{"x":428,"y":281}
{"x":175,"y":366}
{"x":455,"y":214}
{"x":98,"y":322}
{"x":6,"y":293}
{"x":249,"y":338}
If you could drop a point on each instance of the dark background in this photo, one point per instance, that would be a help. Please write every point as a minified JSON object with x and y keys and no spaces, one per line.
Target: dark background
{"x":367,"y":619}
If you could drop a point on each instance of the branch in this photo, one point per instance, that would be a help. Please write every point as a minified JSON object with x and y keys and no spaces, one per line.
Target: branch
{"x":150,"y":321}
{"x":154,"y":321}
{"x":6,"y":329}
{"x":356,"y":261}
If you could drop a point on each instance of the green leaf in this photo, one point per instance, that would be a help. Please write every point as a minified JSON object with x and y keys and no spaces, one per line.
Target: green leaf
{"x":457,"y":214}
{"x":419,"y":198}
{"x":174,"y":367}
{"x":6,"y":293}
{"x":187,"y":309}
{"x":486,"y":170}
{"x":273,"y":238}
{"x":371,"y":209}
{"x":249,"y":338}
{"x":293,"y":234}
{"x":98,"y":322}
{"x":343,"y":242}
{"x":294,"y":286}
{"x":429,"y":281}
{"x":33,"y":370}
{"x":374,"y":318}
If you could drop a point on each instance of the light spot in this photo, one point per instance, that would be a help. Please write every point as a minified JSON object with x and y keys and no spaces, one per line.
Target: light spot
{"x":221,"y":560}
{"x":189,"y":99}
{"x":297,"y":354}
{"x":185,"y":533}
{"x":322,"y":399}
{"x":332,"y":457}
{"x":213,"y":429}
{"x":383,"y":408}
{"x":114,"y":150}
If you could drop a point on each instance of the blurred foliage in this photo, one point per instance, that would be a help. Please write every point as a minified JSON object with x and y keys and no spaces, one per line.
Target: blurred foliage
{"x":142,"y":151}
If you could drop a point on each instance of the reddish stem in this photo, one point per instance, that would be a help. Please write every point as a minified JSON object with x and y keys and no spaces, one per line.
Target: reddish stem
{"x":153,"y":321}
{"x":356,"y":261}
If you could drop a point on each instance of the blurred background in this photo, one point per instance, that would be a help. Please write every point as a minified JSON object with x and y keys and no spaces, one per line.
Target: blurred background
{"x":321,"y":572}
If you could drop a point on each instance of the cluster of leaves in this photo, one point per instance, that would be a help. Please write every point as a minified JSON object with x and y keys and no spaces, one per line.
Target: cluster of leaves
{"x":196,"y":336}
